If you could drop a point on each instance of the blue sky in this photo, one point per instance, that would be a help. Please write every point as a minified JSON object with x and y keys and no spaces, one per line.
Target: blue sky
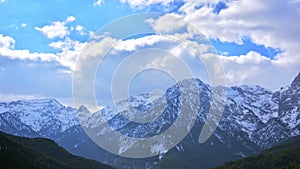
{"x":40,"y":41}
{"x":37,"y":13}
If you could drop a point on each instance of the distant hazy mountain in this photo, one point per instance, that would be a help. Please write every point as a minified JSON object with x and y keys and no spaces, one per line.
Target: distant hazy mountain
{"x":285,"y":155}
{"x":39,"y":153}
{"x":254,"y":119}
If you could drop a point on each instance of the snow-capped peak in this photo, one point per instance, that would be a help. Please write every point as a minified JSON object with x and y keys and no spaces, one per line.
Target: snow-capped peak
{"x":41,"y":114}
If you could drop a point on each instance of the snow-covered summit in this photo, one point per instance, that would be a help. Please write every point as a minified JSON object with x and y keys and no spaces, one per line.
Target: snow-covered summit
{"x":45,"y":116}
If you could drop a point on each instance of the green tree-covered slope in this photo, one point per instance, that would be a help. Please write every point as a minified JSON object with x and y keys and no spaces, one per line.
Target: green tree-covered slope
{"x":39,"y":153}
{"x":283,"y":156}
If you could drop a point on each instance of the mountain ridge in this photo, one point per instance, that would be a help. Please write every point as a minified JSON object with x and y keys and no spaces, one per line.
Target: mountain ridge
{"x":283,"y":155}
{"x":254,"y":118}
{"x":39,"y":153}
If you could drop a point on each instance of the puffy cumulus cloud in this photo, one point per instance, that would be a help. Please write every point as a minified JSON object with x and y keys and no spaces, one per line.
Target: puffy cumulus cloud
{"x":251,"y":68}
{"x":191,"y":6}
{"x":68,"y":51}
{"x":7,"y":44}
{"x":97,"y":48}
{"x":6,"y":41}
{"x":145,"y":3}
{"x":252,"y":58}
{"x":88,"y":58}
{"x":255,"y":69}
{"x":70,"y":19}
{"x":86,"y":67}
{"x":80,"y":28}
{"x":268,"y":23}
{"x":67,"y":44}
{"x":179,"y":45}
{"x":172,"y":33}
{"x":167,"y":23}
{"x":57,"y":29}
{"x":26,"y":54}
{"x":175,"y":47}
{"x":263,"y":22}
{"x":98,"y":2}
{"x":23,"y":25}
{"x":132,"y":45}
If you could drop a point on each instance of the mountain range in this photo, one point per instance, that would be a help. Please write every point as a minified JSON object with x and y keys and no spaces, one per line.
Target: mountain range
{"x":254,"y":119}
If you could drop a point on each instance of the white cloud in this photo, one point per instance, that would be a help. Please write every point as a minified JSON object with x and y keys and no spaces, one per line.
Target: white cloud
{"x":251,"y":68}
{"x":133,"y":44}
{"x":14,"y":97}
{"x":23,"y":25}
{"x":167,"y":23}
{"x":80,"y":28}
{"x":7,"y":44}
{"x":98,"y":2}
{"x":145,"y":3}
{"x":57,"y":29}
{"x":87,"y":65}
{"x":26,"y":54}
{"x":70,"y":19}
{"x":70,"y":50}
{"x":268,"y":23}
{"x":264,"y":22}
{"x":254,"y":69}
{"x":6,"y":41}
{"x":2,"y":1}
{"x":68,"y":53}
{"x":250,"y":58}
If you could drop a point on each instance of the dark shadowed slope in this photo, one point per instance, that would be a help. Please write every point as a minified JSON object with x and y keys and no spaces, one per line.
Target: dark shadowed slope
{"x":284,"y":156}
{"x":39,"y":153}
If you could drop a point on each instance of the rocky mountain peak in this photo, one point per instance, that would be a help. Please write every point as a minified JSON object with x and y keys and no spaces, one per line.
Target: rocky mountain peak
{"x":82,"y":108}
{"x":296,"y":82}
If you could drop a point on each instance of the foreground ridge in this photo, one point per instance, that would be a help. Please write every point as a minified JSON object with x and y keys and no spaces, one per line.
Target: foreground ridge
{"x":20,"y":152}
